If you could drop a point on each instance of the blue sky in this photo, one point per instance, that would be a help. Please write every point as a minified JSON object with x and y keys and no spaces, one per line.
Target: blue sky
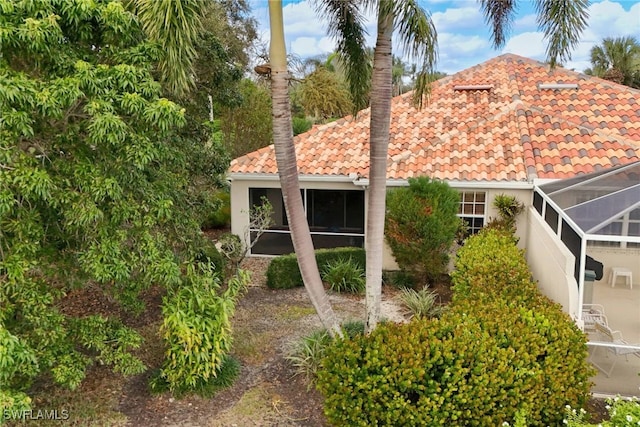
{"x":463,"y":36}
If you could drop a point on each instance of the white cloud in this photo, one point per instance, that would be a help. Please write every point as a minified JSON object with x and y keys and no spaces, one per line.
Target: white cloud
{"x":527,"y":44}
{"x":610,"y":19}
{"x":306,"y":47}
{"x":457,"y":18}
{"x":458,"y":44}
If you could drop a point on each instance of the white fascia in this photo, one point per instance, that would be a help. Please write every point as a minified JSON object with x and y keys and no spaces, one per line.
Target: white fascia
{"x":301,"y":178}
{"x":363,"y":182}
{"x":490,"y":185}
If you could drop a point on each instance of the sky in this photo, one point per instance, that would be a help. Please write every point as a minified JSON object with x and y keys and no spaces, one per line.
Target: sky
{"x":464,"y":39}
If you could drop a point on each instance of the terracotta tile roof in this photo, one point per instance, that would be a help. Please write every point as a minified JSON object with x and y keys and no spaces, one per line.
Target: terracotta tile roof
{"x":515,"y":131}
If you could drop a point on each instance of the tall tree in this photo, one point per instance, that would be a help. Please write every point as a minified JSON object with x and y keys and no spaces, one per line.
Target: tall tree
{"x":288,"y":172}
{"x":419,"y":40}
{"x":617,"y":59}
{"x":94,"y":186}
{"x":323,"y":96}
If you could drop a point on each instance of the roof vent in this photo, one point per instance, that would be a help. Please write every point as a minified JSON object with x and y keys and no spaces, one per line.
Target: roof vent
{"x":473,"y":87}
{"x":557,"y":86}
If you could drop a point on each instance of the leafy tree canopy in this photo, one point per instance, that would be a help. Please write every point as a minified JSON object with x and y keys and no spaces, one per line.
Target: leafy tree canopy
{"x":618,"y":60}
{"x":95,"y":185}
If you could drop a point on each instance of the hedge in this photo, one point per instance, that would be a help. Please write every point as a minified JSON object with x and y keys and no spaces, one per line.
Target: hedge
{"x":283,"y":271}
{"x":480,"y":364}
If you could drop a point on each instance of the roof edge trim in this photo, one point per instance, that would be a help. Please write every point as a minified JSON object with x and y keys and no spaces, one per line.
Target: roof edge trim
{"x":302,"y":178}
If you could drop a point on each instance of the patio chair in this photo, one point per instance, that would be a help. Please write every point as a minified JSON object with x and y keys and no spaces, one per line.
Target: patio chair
{"x":615,"y":337}
{"x":592,"y":313}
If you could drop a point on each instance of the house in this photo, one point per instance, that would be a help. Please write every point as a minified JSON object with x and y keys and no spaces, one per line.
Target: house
{"x":563,"y":143}
{"x":499,"y":127}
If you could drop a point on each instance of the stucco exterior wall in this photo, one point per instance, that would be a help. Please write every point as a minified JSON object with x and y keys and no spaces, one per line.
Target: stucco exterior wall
{"x":552,"y":264}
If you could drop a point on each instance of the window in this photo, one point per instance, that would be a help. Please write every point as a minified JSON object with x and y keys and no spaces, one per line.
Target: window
{"x":472,"y":209}
{"x":335,"y":217}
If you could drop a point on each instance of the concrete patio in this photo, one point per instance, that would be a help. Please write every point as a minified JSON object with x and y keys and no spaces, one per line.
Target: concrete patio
{"x":622,"y":308}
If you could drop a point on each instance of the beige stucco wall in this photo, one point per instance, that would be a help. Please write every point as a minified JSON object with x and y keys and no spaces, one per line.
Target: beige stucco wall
{"x":240,"y":206}
{"x":552,"y":264}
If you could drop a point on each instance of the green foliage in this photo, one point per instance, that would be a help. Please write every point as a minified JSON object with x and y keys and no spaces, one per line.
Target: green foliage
{"x":197,"y":328}
{"x":344,"y":275}
{"x":399,"y":278}
{"x":248,"y":126}
{"x":323,"y":95}
{"x":226,"y":375}
{"x":209,"y":256}
{"x":221,"y":217}
{"x":485,"y":361}
{"x":309,"y":352}
{"x":508,"y":210}
{"x":284,"y":273}
{"x":98,"y":188}
{"x":421,"y":224}
{"x":307,"y":356}
{"x":622,"y":413}
{"x":489,"y":264}
{"x":421,"y":303}
{"x":301,"y":125}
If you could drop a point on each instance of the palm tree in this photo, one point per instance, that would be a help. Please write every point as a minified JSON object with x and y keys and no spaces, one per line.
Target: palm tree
{"x":562,"y":21}
{"x":617,"y":59}
{"x":288,"y":172}
{"x":175,"y":25}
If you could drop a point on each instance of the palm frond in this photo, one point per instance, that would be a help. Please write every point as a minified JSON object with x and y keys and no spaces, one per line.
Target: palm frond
{"x":419,"y":42}
{"x":346,"y":25}
{"x":499,"y":15}
{"x":562,"y":22}
{"x":175,"y":25}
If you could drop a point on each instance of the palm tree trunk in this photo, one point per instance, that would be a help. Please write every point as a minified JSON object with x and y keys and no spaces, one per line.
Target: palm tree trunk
{"x":379,"y":144}
{"x":288,"y":172}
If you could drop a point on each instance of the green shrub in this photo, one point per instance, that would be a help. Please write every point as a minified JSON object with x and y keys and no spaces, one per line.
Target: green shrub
{"x":226,"y":375}
{"x":353,"y":328}
{"x":422,"y":303}
{"x":209,"y":256}
{"x":421,"y":224}
{"x":487,"y":360}
{"x":399,"y":278}
{"x":197,"y":328}
{"x":343,"y":275}
{"x":308,"y":354}
{"x":221,"y":217}
{"x":490,"y":263}
{"x":301,"y":125}
{"x":283,"y":271}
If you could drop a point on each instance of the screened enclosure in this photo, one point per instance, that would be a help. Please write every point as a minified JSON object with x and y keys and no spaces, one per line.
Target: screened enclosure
{"x":597,"y":218}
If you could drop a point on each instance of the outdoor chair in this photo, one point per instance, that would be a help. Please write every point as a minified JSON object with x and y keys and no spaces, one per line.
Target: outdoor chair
{"x":592,"y":313}
{"x":606,"y":335}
